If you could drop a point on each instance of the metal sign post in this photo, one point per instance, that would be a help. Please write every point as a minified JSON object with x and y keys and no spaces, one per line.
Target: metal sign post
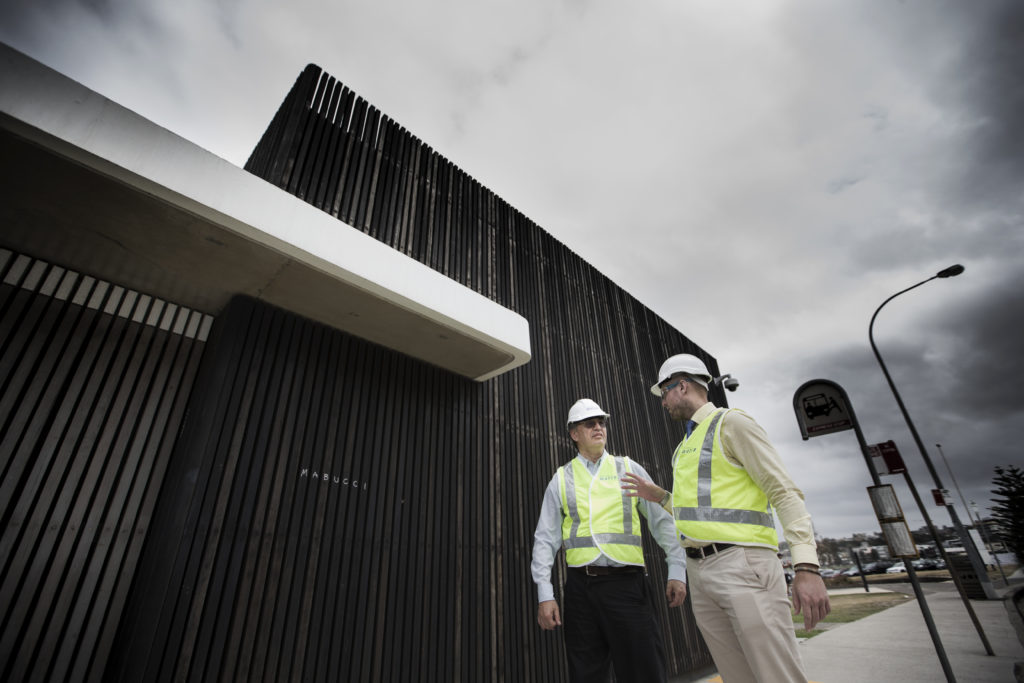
{"x":860,"y":569}
{"x":894,"y":525}
{"x":822,"y":407}
{"x":890,"y":456}
{"x":894,"y":465}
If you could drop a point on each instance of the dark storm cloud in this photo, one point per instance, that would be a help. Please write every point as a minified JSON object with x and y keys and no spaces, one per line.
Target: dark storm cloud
{"x":958,"y":371}
{"x":954,"y":351}
{"x":953,"y":234}
{"x":987,"y":334}
{"x":961,"y":365}
{"x":989,"y":79}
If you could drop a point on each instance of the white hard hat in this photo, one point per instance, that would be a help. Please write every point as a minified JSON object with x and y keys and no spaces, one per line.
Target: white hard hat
{"x":682,"y":362}
{"x":584,"y":409}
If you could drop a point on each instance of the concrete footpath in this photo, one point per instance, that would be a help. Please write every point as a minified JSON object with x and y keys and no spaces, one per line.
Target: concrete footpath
{"x":894,"y":645}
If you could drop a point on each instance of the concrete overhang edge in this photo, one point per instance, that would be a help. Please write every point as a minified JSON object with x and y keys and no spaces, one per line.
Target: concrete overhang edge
{"x":93,"y":131}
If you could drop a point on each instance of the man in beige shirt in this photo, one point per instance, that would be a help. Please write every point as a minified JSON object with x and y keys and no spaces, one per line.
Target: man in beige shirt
{"x":727,"y":479}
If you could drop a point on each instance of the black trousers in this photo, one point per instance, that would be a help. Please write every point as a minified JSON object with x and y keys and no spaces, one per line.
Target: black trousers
{"x":611,"y":620}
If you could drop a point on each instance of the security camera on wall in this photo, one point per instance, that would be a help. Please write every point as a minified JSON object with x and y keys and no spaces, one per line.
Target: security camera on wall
{"x":728,"y":381}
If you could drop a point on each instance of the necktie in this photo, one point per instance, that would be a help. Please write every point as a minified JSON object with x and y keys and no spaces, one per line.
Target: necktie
{"x":690,"y":426}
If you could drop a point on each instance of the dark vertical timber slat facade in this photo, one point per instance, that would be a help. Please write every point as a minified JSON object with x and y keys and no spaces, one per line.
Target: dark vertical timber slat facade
{"x":337,"y":511}
{"x":513,"y":261}
{"x":94,"y":380}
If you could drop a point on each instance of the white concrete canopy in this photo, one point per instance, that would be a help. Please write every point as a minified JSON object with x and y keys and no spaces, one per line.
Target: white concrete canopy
{"x":91,"y":186}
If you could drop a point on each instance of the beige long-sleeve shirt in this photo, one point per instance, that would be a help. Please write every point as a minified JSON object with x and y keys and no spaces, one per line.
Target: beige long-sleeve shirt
{"x":746,"y":444}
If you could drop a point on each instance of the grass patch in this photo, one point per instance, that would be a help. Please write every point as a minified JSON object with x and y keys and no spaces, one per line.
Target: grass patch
{"x":847,"y":608}
{"x":923,"y":575}
{"x":856,"y":582}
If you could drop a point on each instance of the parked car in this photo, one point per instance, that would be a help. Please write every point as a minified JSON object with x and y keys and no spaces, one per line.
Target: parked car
{"x":851,"y":571}
{"x":925,"y":564}
{"x":877,"y":567}
{"x":897,"y":568}
{"x":828,"y":572}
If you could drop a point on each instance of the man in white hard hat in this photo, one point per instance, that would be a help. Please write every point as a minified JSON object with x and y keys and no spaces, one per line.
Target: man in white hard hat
{"x":609,"y":610}
{"x":727,"y":479}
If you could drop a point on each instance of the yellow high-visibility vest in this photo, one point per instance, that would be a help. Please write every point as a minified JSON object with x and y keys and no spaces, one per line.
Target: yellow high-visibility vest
{"x":597,"y":515}
{"x":714,"y":500}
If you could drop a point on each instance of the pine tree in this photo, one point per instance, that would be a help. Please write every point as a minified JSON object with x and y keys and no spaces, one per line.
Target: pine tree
{"x":1008,"y":510}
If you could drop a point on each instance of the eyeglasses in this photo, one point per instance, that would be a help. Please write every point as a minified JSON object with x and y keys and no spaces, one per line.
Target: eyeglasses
{"x":591,"y":423}
{"x":669,"y":387}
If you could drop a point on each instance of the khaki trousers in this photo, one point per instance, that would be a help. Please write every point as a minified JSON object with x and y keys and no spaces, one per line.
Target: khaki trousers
{"x":739,"y":600}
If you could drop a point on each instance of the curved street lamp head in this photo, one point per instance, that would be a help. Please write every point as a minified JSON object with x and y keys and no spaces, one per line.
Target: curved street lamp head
{"x":952,"y":271}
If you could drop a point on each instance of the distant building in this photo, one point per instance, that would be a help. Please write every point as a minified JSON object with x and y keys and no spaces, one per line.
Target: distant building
{"x":881,"y":551}
{"x":294,"y":426}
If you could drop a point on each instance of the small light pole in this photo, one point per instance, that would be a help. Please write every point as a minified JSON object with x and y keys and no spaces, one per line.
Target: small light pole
{"x":975,"y":558}
{"x":984,"y":535}
{"x":955,"y":483}
{"x":975,"y":519}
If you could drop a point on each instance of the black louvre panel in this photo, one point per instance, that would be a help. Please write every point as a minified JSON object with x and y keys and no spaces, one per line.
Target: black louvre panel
{"x":93,"y":386}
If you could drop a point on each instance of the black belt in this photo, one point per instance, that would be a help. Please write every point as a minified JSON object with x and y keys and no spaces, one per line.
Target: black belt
{"x":704,"y":551}
{"x":591,"y":570}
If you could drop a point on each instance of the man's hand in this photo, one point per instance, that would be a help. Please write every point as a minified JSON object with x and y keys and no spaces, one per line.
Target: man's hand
{"x":548,"y":616}
{"x":675,"y":591}
{"x":635,"y":487}
{"x":810,"y":597}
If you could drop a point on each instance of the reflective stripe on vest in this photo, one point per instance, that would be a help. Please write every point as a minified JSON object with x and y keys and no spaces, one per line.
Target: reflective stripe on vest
{"x":707,"y":522}
{"x":578,"y":535}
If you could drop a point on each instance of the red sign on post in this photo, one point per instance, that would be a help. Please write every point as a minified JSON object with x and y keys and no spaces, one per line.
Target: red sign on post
{"x":890,"y":455}
{"x":940,"y":496}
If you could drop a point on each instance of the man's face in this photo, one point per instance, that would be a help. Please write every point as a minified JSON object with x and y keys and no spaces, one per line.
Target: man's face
{"x":590,"y":435}
{"x":673,"y":393}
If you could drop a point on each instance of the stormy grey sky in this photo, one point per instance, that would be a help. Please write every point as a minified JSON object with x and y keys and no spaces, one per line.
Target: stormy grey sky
{"x":762,"y":174}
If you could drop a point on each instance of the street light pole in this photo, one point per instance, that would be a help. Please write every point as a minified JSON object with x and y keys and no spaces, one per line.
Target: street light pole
{"x":991,"y":549}
{"x":975,"y":520}
{"x":975,"y":558}
{"x":955,"y":483}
